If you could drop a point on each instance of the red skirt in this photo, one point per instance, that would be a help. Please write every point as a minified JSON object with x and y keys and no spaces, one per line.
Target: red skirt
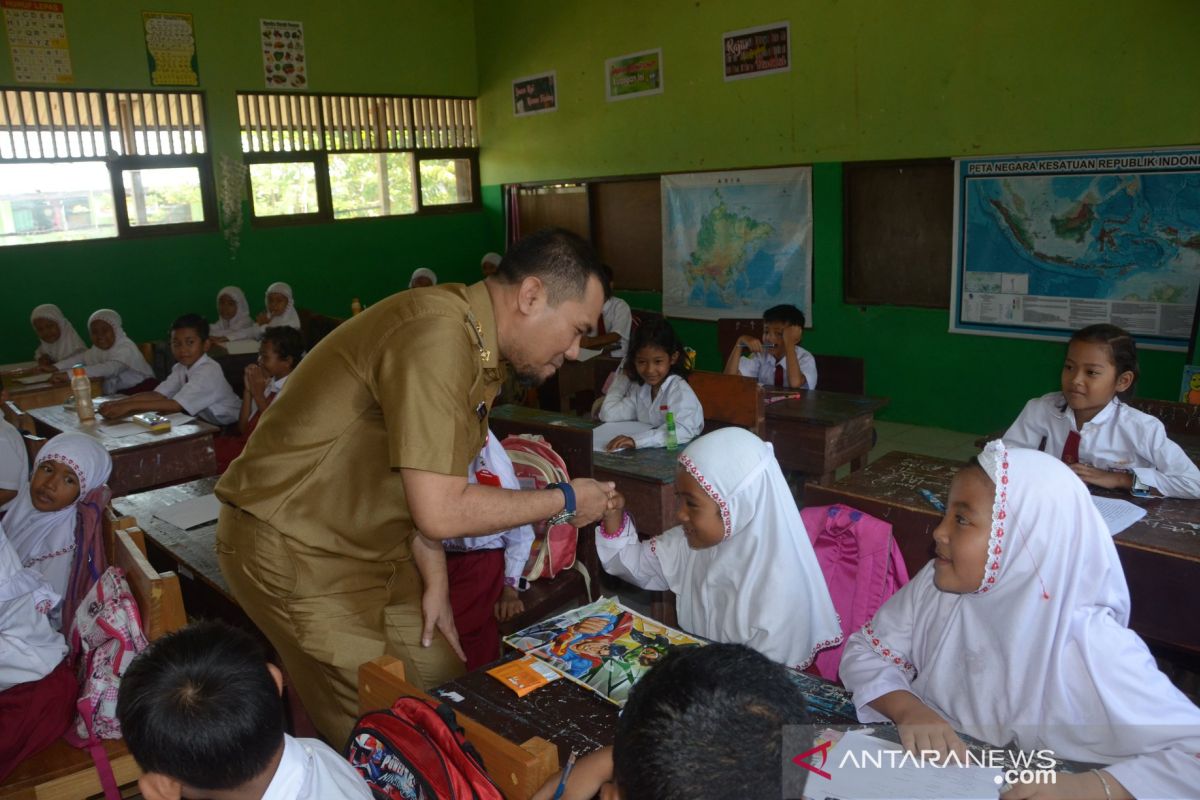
{"x":35,"y":715}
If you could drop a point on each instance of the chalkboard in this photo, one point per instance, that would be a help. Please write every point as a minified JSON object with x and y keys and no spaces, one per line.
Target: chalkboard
{"x":898,"y":229}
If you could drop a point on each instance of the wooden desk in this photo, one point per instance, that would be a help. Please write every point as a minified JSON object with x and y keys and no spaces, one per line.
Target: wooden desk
{"x":1160,"y":553}
{"x":142,"y":460}
{"x":42,"y":395}
{"x":570,"y":436}
{"x":647,"y":479}
{"x":820,"y":431}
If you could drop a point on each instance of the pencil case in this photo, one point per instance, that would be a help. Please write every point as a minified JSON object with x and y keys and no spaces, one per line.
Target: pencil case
{"x":153,"y":421}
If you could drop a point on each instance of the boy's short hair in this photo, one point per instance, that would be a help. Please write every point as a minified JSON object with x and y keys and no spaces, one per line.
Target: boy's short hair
{"x":561,"y":259}
{"x":199,"y":706}
{"x":707,"y":722}
{"x":786,"y":313}
{"x":193,"y":321}
{"x":287,"y":341}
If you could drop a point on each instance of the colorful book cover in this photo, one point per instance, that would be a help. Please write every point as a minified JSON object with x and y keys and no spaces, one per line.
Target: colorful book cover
{"x":603,"y":646}
{"x":1189,"y":390}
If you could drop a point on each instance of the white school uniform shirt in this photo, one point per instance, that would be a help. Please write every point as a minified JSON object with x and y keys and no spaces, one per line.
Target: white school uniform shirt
{"x":761,"y":586}
{"x":617,"y":319}
{"x":1119,"y":437}
{"x":627,"y":401}
{"x":761,"y":366}
{"x":312,"y":770}
{"x":122,"y":366}
{"x":1041,"y":653}
{"x":30,"y":648}
{"x":14,"y":461}
{"x":202,"y":391}
{"x":516,"y":542}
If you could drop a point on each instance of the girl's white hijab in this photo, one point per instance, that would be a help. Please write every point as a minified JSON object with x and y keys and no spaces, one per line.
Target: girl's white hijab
{"x":289,"y":317}
{"x":1040,"y":653}
{"x":69,"y":342}
{"x":35,"y":534}
{"x":241,"y":318}
{"x":422,"y":272}
{"x":762,"y":585}
{"x":123,"y":350}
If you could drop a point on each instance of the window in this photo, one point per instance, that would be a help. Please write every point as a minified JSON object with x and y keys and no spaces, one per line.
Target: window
{"x":331,"y":157}
{"x":78,"y":164}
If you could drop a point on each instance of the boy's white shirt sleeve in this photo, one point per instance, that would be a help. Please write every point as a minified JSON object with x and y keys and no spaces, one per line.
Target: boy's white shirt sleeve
{"x":517,"y":542}
{"x":620,"y":404}
{"x":173,"y":382}
{"x":808,"y":366}
{"x":1173,"y":473}
{"x":206,"y":390}
{"x":681,"y":400}
{"x":629,"y":559}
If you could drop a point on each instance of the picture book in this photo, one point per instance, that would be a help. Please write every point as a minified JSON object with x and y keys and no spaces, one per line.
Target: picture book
{"x":604,"y":646}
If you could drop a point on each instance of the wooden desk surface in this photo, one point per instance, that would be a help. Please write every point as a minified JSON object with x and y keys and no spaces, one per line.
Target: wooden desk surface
{"x":652,"y":464}
{"x":1160,"y":553}
{"x":515,"y":413}
{"x":40,"y":395}
{"x":817,"y":407}
{"x":56,"y":419}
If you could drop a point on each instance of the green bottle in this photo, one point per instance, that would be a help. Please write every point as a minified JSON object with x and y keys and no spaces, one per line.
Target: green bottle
{"x":672,"y":438}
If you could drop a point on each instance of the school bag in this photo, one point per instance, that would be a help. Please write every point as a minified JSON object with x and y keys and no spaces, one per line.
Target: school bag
{"x":416,"y":750}
{"x":862,"y":565}
{"x":105,"y":636}
{"x":537,"y":466}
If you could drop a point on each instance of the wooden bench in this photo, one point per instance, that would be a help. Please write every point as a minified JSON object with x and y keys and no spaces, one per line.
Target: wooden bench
{"x":61,"y":772}
{"x":730,"y":400}
{"x":518,"y":769}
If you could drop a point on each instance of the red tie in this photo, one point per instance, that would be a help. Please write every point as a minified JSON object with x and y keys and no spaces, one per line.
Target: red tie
{"x":779,"y":374}
{"x":1070,"y":453}
{"x":600,"y":326}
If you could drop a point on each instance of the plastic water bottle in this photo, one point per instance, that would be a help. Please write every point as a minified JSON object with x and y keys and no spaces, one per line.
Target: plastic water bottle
{"x":355,"y":307}
{"x":672,"y":437}
{"x":82,"y":387}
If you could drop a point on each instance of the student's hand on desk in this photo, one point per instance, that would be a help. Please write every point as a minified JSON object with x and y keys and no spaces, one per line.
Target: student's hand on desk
{"x":792,"y":335}
{"x":263,"y":318}
{"x":60,"y":379}
{"x":509,"y":605}
{"x":46,"y":368}
{"x":922,"y":728}
{"x":1075,"y":786}
{"x":114,"y":409}
{"x":1104,"y":478}
{"x":592,"y":500}
{"x":219,"y":339}
{"x":620,"y":443}
{"x":590,"y":773}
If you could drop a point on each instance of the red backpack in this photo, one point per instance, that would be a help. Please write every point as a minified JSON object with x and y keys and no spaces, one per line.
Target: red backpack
{"x":416,"y":751}
{"x":537,"y":466}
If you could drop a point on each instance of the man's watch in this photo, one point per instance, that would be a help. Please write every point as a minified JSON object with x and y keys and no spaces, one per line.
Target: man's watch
{"x":568,"y":512}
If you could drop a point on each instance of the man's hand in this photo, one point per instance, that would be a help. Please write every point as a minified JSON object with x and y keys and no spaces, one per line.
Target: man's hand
{"x":591,"y":500}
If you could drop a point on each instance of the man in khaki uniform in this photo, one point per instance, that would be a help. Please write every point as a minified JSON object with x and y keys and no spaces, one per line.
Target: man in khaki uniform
{"x":318,"y":532}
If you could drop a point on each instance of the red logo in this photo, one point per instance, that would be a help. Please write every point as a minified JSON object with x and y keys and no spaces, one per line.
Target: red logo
{"x":801,"y":760}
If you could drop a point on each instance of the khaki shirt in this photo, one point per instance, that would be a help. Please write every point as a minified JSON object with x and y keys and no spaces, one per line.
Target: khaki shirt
{"x":407,"y":383}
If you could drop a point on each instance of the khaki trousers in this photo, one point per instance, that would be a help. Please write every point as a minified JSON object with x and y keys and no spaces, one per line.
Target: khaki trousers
{"x":326,"y":614}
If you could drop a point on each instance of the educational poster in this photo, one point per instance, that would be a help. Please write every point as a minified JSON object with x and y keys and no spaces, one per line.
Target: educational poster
{"x":736,"y":243}
{"x":1189,"y":389}
{"x":1045,"y":245}
{"x":536,"y":94}
{"x":752,"y":52}
{"x":37,"y":41}
{"x":171,"y":49}
{"x":633,"y":75}
{"x":604,"y":646}
{"x":284,"y":65}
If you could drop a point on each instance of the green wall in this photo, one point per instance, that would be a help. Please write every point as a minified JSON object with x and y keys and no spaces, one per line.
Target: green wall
{"x":398,"y":46}
{"x":872,"y":79}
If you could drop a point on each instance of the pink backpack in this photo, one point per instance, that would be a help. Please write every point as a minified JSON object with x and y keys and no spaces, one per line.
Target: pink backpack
{"x":862,"y":566}
{"x":537,"y":466}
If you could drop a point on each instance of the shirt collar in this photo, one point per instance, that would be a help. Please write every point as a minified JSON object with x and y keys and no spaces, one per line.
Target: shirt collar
{"x":480,"y":304}
{"x":291,"y":774}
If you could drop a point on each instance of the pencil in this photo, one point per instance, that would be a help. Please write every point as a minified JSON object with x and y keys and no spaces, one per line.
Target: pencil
{"x":562,"y":782}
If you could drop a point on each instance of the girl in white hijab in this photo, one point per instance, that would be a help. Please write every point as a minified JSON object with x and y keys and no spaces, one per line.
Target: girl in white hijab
{"x":233,"y":317}
{"x":59,"y":338}
{"x":1017,"y":631}
{"x":281,"y":309}
{"x":41,"y":522}
{"x":422,"y":276}
{"x":740,"y":562}
{"x":113,"y":356}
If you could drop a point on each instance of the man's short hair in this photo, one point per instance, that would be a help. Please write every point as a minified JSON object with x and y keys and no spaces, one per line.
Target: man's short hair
{"x":199,"y":706}
{"x":707,"y":722}
{"x":786,"y":313}
{"x":562,"y":260}
{"x":193,"y":322}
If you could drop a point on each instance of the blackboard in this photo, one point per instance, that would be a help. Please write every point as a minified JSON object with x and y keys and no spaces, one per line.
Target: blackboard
{"x":898,"y":226}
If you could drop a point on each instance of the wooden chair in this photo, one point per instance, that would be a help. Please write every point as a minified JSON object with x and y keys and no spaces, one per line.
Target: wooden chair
{"x":316,"y":327}
{"x":518,"y":769}
{"x":62,"y":772}
{"x":730,"y":400}
{"x":1180,"y":419}
{"x":19,"y":419}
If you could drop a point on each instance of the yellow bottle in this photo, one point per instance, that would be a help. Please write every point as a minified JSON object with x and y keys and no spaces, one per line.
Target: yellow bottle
{"x":82,"y":387}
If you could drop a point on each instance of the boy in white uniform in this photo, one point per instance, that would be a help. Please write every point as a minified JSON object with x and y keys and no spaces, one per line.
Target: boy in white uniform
{"x":196,"y":384}
{"x":615,"y":322}
{"x":777,"y":360}
{"x":201,"y":713}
